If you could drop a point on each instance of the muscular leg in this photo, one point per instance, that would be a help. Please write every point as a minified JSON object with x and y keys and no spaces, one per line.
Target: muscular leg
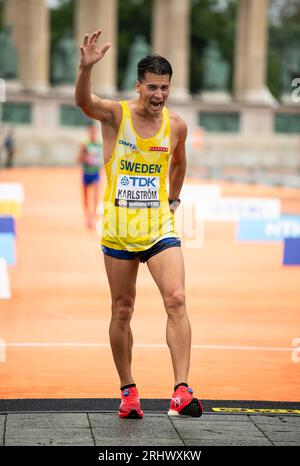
{"x":96,"y":198}
{"x":167,"y":269}
{"x":94,"y":201}
{"x":121,"y":276}
{"x":85,"y":198}
{"x":90,"y":204}
{"x":86,"y":193}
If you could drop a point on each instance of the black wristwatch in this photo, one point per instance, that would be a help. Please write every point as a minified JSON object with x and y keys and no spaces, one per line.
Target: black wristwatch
{"x":174,"y":203}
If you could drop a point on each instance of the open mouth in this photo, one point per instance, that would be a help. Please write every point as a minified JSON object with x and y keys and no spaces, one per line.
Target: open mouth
{"x":156,"y":105}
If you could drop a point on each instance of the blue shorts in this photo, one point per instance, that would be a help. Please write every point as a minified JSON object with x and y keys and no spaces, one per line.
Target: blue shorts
{"x":89,"y":178}
{"x":143,"y":256}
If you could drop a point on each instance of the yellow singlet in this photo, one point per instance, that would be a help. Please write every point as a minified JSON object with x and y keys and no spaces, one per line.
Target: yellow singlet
{"x":136,"y":208}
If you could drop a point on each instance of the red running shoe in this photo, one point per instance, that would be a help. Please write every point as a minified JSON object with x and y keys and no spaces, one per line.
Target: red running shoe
{"x":184,"y":404}
{"x":130,"y":407}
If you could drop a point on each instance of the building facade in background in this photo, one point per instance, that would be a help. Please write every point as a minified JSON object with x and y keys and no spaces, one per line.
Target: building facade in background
{"x":247,"y":128}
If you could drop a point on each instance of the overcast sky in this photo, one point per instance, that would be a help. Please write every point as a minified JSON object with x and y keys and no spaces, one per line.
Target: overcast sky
{"x":52,"y":2}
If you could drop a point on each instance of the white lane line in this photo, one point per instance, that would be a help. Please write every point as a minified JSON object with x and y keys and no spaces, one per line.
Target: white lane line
{"x":142,"y":345}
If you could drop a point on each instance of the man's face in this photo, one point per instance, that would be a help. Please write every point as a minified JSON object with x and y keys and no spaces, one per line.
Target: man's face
{"x":154,"y":91}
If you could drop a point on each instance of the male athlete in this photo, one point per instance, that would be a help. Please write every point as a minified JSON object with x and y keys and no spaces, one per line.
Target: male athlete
{"x":139,"y":138}
{"x":90,"y":158}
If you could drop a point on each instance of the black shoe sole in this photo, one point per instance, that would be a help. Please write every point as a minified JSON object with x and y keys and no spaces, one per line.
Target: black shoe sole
{"x":133,"y":415}
{"x":193,"y":409}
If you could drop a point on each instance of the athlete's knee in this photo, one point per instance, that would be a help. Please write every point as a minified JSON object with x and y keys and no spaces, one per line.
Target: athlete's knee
{"x":175,"y":302}
{"x":122,"y":309}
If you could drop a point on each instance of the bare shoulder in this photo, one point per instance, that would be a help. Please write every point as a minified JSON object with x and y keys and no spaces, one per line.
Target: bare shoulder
{"x":109,"y":110}
{"x":115,"y":105}
{"x":178,"y":125}
{"x":116,"y":110}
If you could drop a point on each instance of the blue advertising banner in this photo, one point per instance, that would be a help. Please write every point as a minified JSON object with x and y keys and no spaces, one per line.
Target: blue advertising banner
{"x":291,"y":254}
{"x":287,"y":226}
{"x":8,"y":248}
{"x":7,"y":225}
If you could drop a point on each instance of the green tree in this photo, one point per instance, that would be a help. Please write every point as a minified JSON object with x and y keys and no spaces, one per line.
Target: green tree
{"x":1,"y":13}
{"x":62,"y":21}
{"x":284,"y":31}
{"x":210,"y":21}
{"x":134,"y":18}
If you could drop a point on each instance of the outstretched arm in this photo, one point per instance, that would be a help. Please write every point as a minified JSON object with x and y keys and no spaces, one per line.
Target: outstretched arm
{"x":92,"y":105}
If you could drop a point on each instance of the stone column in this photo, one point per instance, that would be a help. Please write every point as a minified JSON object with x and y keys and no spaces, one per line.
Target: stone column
{"x":10,"y":12}
{"x":251,"y":52}
{"x":171,"y":39}
{"x":100,"y":14}
{"x":30,"y":23}
{"x":160,"y":32}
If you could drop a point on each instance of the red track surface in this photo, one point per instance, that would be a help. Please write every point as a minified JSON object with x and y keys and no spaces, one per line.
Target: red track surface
{"x":238,"y":294}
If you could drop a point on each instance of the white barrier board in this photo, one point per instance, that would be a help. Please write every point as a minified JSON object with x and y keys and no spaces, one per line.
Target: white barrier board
{"x":11,"y":192}
{"x":5,"y":292}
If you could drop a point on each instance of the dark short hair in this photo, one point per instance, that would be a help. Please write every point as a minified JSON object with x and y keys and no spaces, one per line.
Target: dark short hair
{"x":153,"y":64}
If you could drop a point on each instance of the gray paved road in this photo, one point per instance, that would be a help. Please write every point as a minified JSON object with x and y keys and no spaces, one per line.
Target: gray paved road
{"x":156,"y":429}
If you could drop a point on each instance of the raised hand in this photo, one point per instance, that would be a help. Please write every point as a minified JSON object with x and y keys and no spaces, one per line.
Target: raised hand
{"x":90,"y":52}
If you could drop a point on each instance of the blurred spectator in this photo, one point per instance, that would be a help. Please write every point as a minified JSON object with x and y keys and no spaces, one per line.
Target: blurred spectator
{"x":90,"y":158}
{"x":9,"y":146}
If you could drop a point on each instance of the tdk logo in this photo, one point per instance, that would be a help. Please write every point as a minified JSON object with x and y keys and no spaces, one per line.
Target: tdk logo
{"x":128,"y":144}
{"x":140,"y":182}
{"x":124,"y":181}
